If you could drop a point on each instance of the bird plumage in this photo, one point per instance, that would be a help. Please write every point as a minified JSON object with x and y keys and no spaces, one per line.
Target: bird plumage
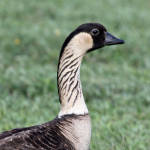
{"x":51,"y":135}
{"x":71,"y":130}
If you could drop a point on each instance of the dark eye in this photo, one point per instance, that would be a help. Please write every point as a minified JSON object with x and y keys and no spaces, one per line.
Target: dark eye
{"x":95,"y":32}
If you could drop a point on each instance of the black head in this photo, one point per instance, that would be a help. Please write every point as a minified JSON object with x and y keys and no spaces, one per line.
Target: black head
{"x":98,"y":33}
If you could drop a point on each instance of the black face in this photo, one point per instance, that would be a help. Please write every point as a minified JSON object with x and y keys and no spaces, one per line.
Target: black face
{"x":99,"y":34}
{"x":97,"y":31}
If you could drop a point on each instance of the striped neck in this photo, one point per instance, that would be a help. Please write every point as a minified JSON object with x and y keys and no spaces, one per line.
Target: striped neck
{"x":68,"y":78}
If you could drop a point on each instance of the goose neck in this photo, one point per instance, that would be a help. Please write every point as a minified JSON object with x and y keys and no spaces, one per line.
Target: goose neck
{"x":69,"y":85}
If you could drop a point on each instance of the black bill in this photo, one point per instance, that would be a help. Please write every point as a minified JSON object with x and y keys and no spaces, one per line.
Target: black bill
{"x":112,"y":40}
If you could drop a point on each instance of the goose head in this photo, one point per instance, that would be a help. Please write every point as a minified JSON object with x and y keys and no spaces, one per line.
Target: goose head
{"x":88,"y":37}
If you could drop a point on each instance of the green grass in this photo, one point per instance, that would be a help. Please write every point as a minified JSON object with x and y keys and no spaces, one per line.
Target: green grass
{"x":116,"y":80}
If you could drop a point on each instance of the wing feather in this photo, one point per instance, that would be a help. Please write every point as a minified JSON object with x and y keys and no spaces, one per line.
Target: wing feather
{"x":47,"y":136}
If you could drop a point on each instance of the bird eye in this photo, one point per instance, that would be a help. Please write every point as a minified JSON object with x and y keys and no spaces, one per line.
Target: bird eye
{"x":95,"y":32}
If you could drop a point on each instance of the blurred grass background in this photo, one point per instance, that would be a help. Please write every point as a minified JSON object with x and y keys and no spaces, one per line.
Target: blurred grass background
{"x":116,"y":80}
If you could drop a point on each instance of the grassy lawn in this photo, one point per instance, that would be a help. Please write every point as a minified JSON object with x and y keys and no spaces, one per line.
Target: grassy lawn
{"x":116,"y":80}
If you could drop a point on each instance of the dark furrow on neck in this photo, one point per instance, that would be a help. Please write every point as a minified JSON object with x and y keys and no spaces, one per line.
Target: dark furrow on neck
{"x":69,"y":80}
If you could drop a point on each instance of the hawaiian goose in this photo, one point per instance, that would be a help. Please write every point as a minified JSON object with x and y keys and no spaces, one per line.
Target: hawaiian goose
{"x":71,"y":129}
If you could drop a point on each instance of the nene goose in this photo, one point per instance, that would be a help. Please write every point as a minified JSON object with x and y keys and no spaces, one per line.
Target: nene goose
{"x":71,"y":129}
